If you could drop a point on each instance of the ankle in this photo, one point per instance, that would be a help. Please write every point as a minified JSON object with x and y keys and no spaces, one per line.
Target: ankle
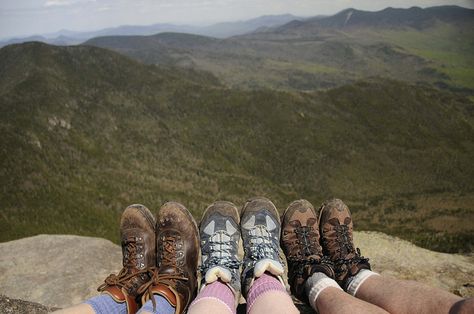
{"x":161,"y":306}
{"x":316,"y":284}
{"x":262,"y":285}
{"x":218,"y":292}
{"x":355,"y":282}
{"x":104,"y":303}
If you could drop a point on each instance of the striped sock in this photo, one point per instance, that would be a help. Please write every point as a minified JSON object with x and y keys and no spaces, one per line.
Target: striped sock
{"x":220,"y":292}
{"x":262,"y":285}
{"x":103,"y":304}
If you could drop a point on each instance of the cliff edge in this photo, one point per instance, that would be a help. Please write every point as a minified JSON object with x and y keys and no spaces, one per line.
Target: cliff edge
{"x":62,"y":270}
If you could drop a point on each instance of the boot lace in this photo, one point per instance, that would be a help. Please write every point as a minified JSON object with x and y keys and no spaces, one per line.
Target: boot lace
{"x":169,"y":258}
{"x":262,"y":244}
{"x":132,"y":252}
{"x":344,"y":249}
{"x":345,"y":245}
{"x":156,"y":278}
{"x":306,"y":240}
{"x":221,"y":252}
{"x":301,"y":266}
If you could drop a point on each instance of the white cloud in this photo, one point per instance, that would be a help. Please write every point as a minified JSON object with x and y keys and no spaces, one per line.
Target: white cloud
{"x":103,"y":8}
{"x":56,"y":3}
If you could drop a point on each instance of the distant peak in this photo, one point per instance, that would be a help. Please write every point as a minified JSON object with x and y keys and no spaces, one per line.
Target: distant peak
{"x":348,"y":17}
{"x":346,"y":11}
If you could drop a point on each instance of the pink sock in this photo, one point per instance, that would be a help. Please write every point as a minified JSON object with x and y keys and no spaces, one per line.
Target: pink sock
{"x":261,"y":285}
{"x":217,"y":291}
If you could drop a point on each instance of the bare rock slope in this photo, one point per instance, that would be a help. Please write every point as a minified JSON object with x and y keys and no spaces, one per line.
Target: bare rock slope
{"x":56,"y":270}
{"x":17,"y":306}
{"x":61,"y":270}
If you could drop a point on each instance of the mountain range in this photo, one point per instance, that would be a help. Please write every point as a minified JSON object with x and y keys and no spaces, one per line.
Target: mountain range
{"x":87,"y":131}
{"x":414,"y":17}
{"x":219,"y":30}
{"x":420,"y":46}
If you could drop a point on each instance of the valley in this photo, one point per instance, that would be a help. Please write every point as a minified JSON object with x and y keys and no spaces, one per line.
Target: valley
{"x":86,"y":132}
{"x":374,"y":108}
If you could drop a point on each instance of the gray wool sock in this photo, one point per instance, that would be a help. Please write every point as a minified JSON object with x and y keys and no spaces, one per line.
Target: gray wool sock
{"x":104,"y":304}
{"x":162,"y":306}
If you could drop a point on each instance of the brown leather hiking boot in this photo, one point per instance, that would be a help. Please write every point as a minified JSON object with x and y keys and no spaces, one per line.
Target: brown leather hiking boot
{"x":336,"y":234}
{"x":137,"y":231}
{"x":177,"y":243}
{"x":300,"y":242}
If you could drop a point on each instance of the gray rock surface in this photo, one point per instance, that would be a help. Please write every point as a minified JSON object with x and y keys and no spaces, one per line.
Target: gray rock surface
{"x":61,"y":270}
{"x":393,"y":257}
{"x":16,"y":306}
{"x":56,"y":270}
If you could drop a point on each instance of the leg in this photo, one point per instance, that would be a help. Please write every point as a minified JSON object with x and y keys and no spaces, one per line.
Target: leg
{"x":333,"y":300}
{"x":137,"y":231}
{"x":465,"y":306}
{"x":262,"y":270}
{"x":208,"y":306}
{"x":216,"y":297}
{"x":100,"y":304}
{"x":110,"y":306}
{"x":395,"y":296}
{"x":220,"y":238}
{"x":400,"y":296}
{"x":274,"y":302}
{"x":161,"y":306}
{"x":311,"y":274}
{"x":325,"y":296}
{"x":177,"y":251}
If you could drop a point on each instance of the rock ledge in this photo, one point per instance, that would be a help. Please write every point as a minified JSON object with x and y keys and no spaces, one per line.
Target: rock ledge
{"x":60,"y":270}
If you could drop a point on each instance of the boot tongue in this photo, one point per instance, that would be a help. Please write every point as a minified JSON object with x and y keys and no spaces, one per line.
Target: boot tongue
{"x":168,"y":270}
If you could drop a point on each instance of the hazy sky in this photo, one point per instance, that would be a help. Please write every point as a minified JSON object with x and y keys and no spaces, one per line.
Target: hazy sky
{"x":27,"y":17}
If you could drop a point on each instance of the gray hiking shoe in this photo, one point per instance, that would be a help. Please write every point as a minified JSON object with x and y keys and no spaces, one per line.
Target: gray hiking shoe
{"x":220,"y":239}
{"x":260,"y":227}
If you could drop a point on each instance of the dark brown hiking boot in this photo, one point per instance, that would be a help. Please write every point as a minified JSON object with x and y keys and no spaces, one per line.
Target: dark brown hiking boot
{"x":177,"y":243}
{"x":336,"y":236}
{"x":137,"y":231}
{"x":300,"y":242}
